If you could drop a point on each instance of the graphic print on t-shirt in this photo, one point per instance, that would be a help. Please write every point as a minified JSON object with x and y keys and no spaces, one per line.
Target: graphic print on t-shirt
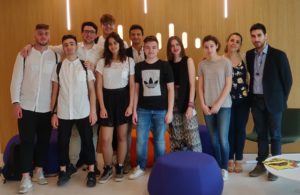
{"x":151,"y":84}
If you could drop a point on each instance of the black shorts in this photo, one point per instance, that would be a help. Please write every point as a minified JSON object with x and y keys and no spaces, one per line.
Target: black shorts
{"x":116,"y":102}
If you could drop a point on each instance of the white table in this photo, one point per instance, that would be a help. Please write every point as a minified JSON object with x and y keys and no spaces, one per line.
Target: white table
{"x":293,"y":174}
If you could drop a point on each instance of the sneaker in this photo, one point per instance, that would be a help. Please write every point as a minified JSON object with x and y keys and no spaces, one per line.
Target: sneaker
{"x":71,"y":170}
{"x":138,"y":172}
{"x":25,"y":185}
{"x":107,"y":174}
{"x":38,"y":176}
{"x":258,"y":170}
{"x":63,"y":178}
{"x":119,"y":173}
{"x":91,"y":179}
{"x":272,"y":177}
{"x":225,"y":174}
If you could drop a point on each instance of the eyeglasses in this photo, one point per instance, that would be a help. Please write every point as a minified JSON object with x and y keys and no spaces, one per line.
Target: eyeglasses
{"x":89,"y":31}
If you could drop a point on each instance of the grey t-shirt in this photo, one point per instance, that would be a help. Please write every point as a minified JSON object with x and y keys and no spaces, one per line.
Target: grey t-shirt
{"x":214,"y":74}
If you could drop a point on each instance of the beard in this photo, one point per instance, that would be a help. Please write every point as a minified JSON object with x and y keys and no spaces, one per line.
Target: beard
{"x":88,"y":41}
{"x":43,"y":43}
{"x":259,"y":45}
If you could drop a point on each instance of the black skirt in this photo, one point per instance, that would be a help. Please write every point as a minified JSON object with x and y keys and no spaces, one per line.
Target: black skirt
{"x":116,"y":102}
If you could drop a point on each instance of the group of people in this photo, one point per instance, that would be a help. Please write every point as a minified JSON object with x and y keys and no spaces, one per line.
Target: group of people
{"x":134,"y":87}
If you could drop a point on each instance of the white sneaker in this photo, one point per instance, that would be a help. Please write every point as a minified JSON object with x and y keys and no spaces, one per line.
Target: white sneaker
{"x":225,"y":174}
{"x":38,"y":176}
{"x":138,"y":172}
{"x":25,"y":185}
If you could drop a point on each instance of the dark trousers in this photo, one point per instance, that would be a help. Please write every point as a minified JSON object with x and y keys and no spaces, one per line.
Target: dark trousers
{"x":86,"y":135}
{"x":34,"y":126}
{"x":237,"y":129}
{"x":82,"y":156}
{"x":267,"y":126}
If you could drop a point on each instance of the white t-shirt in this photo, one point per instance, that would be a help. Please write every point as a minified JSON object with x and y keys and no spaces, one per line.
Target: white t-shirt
{"x":214,"y":75}
{"x":73,"y":101}
{"x":116,"y":75}
{"x":31,"y":82}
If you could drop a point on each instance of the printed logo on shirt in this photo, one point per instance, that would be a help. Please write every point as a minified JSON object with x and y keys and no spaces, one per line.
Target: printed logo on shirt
{"x":151,"y":84}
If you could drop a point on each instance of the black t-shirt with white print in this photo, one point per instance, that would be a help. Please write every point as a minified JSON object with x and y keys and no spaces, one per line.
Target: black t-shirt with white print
{"x":153,"y":80}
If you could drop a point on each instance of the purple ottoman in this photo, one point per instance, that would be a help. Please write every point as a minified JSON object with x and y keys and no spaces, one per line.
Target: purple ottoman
{"x":185,"y":173}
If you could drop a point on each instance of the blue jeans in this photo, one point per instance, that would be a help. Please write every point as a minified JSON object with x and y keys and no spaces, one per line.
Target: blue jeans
{"x":218,"y":126}
{"x":154,"y":120}
{"x":267,"y":125}
{"x":237,"y":130}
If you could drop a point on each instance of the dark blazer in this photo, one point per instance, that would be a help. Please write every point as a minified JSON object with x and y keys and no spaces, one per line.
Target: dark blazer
{"x":277,"y":78}
{"x":129,"y":52}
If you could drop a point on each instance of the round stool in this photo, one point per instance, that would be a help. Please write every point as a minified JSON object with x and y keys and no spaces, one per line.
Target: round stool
{"x":185,"y":173}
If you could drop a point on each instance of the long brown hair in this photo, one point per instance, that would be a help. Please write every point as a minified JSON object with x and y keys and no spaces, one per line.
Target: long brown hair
{"x":107,"y":53}
{"x":170,"y":56}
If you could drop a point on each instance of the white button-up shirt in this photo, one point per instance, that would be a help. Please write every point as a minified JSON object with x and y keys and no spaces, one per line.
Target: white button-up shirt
{"x":73,"y":101}
{"x":138,"y":56}
{"x":92,"y":55}
{"x":31,"y":82}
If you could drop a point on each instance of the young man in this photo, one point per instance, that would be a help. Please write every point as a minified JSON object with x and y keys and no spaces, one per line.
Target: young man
{"x":90,"y":53}
{"x":107,"y":22}
{"x":31,"y":94}
{"x":270,"y":85}
{"x":136,"y":51}
{"x":87,"y":50}
{"x":73,"y":101}
{"x":153,"y":103}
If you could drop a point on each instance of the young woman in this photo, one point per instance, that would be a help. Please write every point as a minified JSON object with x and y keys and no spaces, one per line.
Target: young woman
{"x":215,"y":80}
{"x":240,"y":105}
{"x":115,"y":88}
{"x":184,"y":132}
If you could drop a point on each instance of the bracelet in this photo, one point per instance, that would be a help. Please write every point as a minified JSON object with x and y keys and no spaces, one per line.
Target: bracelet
{"x":53,"y":113}
{"x":191,"y":104}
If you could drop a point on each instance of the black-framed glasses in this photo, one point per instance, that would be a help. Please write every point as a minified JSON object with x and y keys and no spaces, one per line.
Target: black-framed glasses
{"x":89,"y":31}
